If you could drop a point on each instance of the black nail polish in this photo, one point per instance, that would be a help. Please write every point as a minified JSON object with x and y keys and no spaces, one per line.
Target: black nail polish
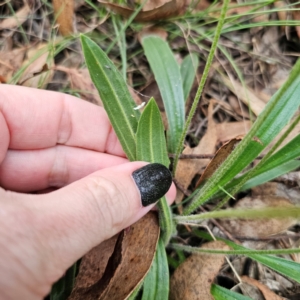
{"x":153,"y":181}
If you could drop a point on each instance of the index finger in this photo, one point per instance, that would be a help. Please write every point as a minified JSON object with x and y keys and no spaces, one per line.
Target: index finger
{"x":37,"y":119}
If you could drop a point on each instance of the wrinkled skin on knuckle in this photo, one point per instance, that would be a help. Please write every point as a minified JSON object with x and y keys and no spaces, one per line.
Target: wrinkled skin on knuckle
{"x":108,"y":204}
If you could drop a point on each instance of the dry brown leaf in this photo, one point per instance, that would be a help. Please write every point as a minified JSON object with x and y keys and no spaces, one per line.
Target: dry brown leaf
{"x":152,"y":89}
{"x":158,"y":31}
{"x":268,"y":294}
{"x":166,"y":9}
{"x":218,"y":159}
{"x":277,"y":189}
{"x":236,"y":9}
{"x":259,"y":228}
{"x":281,"y":7}
{"x":292,"y":178}
{"x":188,"y":168}
{"x":266,"y":46}
{"x":38,"y":59}
{"x":127,"y":266}
{"x":230,"y":130}
{"x":278,"y":79}
{"x":135,"y":96}
{"x":199,"y":5}
{"x":10,"y":62}
{"x":64,"y":12}
{"x":246,"y":96}
{"x":17,"y":19}
{"x":296,"y":17}
{"x":152,"y":4}
{"x":238,"y":109}
{"x":94,"y":263}
{"x":193,"y":278}
{"x":240,"y":10}
{"x":251,"y":291}
{"x":81,"y":81}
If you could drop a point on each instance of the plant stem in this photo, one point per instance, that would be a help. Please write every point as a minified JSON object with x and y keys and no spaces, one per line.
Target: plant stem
{"x":202,"y":82}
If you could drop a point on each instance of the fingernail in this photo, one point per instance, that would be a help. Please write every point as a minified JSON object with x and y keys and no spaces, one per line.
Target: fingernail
{"x":153,"y":181}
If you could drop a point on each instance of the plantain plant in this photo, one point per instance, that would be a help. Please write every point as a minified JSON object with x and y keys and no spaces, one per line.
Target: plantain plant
{"x":147,"y":142}
{"x":142,"y":138}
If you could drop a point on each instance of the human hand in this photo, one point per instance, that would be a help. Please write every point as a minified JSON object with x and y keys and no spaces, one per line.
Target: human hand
{"x":53,"y":140}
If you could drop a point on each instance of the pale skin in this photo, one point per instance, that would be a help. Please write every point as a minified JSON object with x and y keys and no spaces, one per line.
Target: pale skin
{"x":51,"y":141}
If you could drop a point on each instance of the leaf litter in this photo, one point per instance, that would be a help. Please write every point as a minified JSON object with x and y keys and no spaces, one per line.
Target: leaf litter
{"x":114,"y":268}
{"x":194,"y":277}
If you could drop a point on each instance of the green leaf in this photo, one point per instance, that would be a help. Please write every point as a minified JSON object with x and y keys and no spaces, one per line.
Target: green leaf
{"x":62,"y":289}
{"x":188,"y":70}
{"x":282,"y":162}
{"x":114,"y":95}
{"x":151,"y":147}
{"x":156,"y":284}
{"x":268,"y":125}
{"x":286,"y":154}
{"x":220,"y":293}
{"x":136,"y":292}
{"x":168,"y":78}
{"x":283,"y":266}
{"x":271,"y":174}
{"x":151,"y":142}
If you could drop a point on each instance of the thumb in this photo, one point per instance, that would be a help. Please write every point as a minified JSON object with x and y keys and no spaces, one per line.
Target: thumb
{"x":97,"y":207}
{"x":65,"y":224}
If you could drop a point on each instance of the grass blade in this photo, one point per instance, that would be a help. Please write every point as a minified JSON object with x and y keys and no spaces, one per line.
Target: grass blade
{"x":269,"y":123}
{"x":271,"y":174}
{"x":288,"y":153}
{"x":282,"y":162}
{"x":283,"y":266}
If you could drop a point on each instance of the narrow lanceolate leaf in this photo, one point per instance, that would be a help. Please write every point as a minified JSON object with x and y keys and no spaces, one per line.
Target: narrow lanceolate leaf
{"x":151,"y":147}
{"x":268,"y":125}
{"x":283,"y":266}
{"x":168,"y":78}
{"x":188,"y":70}
{"x":114,"y":95}
{"x":151,"y":142}
{"x":283,"y":161}
{"x":220,"y":293}
{"x":271,"y":174}
{"x":156,"y":284}
{"x":288,"y":153}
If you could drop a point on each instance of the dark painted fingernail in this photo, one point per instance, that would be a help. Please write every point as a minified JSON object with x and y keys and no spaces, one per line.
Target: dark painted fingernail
{"x":153,"y":181}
